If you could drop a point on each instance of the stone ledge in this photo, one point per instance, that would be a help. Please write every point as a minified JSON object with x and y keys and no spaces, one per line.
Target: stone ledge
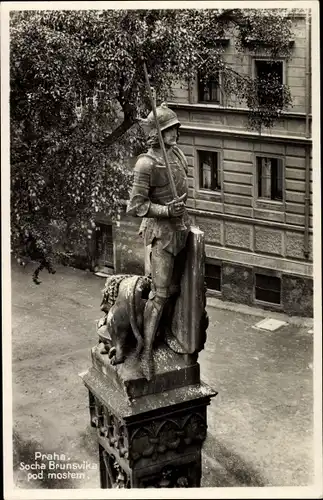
{"x":151,"y":404}
{"x":171,"y":371}
{"x":230,"y":109}
{"x":201,"y":128}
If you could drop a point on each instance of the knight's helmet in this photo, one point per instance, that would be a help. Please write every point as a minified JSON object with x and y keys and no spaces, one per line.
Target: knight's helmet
{"x":166,"y":119}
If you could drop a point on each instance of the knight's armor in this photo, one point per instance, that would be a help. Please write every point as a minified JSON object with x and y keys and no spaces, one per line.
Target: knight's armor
{"x":151,"y":193}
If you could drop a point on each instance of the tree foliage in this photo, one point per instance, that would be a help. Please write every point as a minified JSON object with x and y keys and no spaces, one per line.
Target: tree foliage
{"x":78,"y":92}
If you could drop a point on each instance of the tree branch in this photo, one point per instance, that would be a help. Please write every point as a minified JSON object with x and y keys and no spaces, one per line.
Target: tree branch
{"x":119,"y":131}
{"x":129,"y":117}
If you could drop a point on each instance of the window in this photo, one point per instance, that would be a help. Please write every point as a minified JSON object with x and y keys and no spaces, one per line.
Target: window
{"x":213,"y":277}
{"x":270,"y":178}
{"x":267,"y":288}
{"x":209,"y":170}
{"x":266,"y":72}
{"x":209,"y":91}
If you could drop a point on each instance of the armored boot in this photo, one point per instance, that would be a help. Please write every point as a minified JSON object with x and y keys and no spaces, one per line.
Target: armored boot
{"x":152,"y":314}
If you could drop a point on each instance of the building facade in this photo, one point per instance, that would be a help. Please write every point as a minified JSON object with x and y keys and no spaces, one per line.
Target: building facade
{"x":250,"y":193}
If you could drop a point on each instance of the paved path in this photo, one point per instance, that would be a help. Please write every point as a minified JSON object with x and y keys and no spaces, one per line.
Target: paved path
{"x":260,"y":424}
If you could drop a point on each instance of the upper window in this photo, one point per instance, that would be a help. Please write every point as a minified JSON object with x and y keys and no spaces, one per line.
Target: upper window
{"x":270,"y":178}
{"x":209,"y":170}
{"x":209,"y":90}
{"x":267,"y":72}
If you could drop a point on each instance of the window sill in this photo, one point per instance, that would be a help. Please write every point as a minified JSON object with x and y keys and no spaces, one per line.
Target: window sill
{"x":269,"y":200}
{"x":250,"y":41}
{"x":265,"y":204}
{"x":213,"y":103}
{"x":268,"y":304}
{"x":209,"y":192}
{"x":213,"y":293}
{"x":230,"y":109}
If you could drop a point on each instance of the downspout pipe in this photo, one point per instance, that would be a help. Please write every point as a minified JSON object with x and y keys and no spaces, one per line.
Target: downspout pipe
{"x":307,"y":132}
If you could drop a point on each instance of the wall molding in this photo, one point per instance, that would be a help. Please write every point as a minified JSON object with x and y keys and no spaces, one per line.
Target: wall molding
{"x":230,"y":109}
{"x":190,"y":127}
{"x":246,"y":220}
{"x":245,"y":258}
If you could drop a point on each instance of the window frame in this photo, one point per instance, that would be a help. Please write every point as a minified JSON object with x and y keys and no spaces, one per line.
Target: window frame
{"x":256,"y":58}
{"x":214,"y":103}
{"x":272,"y":274}
{"x":217,"y":263}
{"x":218,"y":193}
{"x":258,"y":178}
{"x":268,"y":202}
{"x":194,"y":95}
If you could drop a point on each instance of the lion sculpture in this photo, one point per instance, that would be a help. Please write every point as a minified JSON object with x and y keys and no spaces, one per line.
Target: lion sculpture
{"x":123,"y":302}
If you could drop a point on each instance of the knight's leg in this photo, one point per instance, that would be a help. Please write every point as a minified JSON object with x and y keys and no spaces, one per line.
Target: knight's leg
{"x":162,"y":263}
{"x":153,"y":312}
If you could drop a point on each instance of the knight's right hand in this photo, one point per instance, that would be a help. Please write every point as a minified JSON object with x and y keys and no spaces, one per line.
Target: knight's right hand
{"x":176,"y":208}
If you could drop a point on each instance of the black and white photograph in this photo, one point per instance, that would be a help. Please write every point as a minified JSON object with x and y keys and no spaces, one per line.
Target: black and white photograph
{"x":161,"y":243}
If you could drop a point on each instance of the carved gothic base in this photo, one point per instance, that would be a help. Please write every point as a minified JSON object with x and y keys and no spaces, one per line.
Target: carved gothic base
{"x":153,"y":439}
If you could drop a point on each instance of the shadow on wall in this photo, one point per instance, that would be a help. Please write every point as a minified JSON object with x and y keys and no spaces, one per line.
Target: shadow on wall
{"x":223,"y":467}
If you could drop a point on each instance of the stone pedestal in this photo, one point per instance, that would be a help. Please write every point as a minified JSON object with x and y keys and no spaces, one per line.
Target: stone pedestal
{"x":150,"y":434}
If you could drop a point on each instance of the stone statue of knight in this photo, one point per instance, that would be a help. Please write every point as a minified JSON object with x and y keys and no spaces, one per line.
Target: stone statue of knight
{"x":165,"y":224}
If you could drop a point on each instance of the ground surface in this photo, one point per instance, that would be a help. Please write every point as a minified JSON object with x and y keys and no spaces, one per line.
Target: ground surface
{"x":260,"y":424}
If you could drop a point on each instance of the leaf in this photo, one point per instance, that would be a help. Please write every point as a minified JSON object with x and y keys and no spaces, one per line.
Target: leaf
{"x":77,"y":88}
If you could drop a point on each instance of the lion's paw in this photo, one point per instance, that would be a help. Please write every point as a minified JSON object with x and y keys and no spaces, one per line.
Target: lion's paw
{"x":112,"y":352}
{"x":114,"y":359}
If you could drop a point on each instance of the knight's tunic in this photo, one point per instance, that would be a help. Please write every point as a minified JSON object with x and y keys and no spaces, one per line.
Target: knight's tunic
{"x":151,"y":189}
